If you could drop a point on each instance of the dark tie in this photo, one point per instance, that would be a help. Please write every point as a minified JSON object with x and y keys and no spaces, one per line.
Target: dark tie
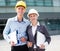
{"x":17,"y":36}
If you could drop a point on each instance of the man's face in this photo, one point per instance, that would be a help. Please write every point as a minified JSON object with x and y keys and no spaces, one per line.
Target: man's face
{"x":20,"y":10}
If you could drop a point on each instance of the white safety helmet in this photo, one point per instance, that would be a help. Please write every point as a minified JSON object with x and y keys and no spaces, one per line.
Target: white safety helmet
{"x":32,"y":11}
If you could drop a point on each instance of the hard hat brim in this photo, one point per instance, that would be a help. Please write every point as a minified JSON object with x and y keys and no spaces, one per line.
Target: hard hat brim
{"x":21,"y":6}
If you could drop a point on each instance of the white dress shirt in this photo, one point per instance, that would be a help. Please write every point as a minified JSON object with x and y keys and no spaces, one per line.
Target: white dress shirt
{"x":34,"y":31}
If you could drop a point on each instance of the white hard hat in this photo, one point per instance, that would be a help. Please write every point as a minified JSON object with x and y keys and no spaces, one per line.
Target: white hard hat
{"x":32,"y":11}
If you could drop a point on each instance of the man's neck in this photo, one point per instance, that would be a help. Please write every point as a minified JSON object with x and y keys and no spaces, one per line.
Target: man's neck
{"x":20,"y":17}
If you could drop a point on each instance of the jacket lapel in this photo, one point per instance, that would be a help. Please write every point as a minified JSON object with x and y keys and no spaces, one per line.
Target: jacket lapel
{"x":30,"y":34}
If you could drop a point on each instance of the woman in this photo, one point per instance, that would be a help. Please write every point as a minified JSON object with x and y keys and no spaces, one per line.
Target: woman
{"x":38,"y":37}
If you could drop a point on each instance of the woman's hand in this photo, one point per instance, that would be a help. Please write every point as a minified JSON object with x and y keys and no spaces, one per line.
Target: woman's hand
{"x":29,"y":44}
{"x":42,"y":46}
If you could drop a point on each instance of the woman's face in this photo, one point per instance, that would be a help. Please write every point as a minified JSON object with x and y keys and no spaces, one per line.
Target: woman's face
{"x":33,"y":17}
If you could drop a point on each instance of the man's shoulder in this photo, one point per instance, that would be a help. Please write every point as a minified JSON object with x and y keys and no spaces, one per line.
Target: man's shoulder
{"x":11,"y":19}
{"x":26,"y":20}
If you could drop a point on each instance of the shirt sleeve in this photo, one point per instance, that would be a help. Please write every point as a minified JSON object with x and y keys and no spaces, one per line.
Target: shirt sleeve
{"x":6,"y":31}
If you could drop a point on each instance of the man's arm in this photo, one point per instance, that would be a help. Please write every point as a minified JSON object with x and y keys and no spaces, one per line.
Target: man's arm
{"x":6,"y":31}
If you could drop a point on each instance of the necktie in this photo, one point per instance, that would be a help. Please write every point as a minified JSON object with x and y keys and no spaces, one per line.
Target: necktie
{"x":17,"y":36}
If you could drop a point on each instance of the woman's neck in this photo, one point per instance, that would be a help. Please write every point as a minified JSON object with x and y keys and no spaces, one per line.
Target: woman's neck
{"x":34,"y":23}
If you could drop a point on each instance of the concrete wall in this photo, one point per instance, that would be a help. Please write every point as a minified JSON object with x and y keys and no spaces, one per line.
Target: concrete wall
{"x":39,"y":9}
{"x":43,"y":15}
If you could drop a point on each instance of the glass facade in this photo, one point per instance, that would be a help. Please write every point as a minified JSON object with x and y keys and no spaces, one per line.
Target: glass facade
{"x":10,"y":2}
{"x":53,"y":24}
{"x":39,"y":2}
{"x":48,"y":3}
{"x":2,"y":3}
{"x":29,"y":2}
{"x":2,"y":24}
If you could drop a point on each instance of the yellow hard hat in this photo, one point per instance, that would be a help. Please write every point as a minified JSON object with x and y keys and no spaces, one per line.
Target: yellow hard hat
{"x":20,"y":3}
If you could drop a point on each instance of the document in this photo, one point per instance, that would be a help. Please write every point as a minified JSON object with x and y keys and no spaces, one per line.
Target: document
{"x":13,"y":37}
{"x":40,"y":38}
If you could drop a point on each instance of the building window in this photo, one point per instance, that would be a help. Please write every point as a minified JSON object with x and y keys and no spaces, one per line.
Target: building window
{"x":48,"y":3}
{"x":10,"y":2}
{"x":2,"y":3}
{"x":39,"y":2}
{"x":2,"y":25}
{"x":29,"y":2}
{"x":53,"y":24}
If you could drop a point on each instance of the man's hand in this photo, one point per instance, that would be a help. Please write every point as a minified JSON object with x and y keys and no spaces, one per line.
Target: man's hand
{"x":23,"y":39}
{"x":29,"y":44}
{"x":12,"y":43}
{"x":42,"y":46}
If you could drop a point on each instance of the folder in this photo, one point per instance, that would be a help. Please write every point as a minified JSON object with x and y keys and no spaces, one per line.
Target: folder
{"x":13,"y":37}
{"x":40,"y":38}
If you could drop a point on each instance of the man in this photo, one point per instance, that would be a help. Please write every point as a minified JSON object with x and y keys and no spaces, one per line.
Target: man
{"x":18,"y":24}
{"x":38,"y":37}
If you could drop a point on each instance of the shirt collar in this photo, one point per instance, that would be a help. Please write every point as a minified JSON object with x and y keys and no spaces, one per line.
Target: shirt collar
{"x":24,"y":20}
{"x":38,"y":24}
